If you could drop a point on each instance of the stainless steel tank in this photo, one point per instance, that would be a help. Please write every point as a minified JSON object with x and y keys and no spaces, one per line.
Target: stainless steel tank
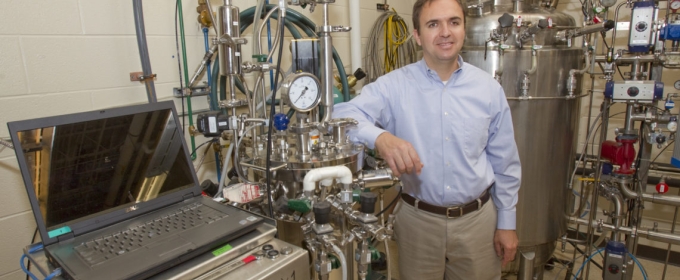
{"x":545,"y":118}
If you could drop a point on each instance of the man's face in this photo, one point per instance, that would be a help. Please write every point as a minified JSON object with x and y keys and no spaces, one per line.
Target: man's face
{"x":441,"y":31}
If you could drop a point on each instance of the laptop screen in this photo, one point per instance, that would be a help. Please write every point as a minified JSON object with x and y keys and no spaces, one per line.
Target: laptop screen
{"x":81,"y":169}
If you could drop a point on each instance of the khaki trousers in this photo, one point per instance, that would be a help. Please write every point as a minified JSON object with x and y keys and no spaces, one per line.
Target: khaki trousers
{"x":432,"y":246}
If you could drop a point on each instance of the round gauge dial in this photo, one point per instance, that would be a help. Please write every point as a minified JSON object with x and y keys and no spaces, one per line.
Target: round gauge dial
{"x":676,"y":85}
{"x":302,"y":91}
{"x":675,"y":4}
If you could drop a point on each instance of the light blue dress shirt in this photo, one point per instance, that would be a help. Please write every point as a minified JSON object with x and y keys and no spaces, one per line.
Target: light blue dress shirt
{"x":461,"y":129}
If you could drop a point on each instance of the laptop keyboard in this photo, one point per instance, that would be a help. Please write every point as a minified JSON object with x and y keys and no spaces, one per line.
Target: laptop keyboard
{"x":107,"y":247}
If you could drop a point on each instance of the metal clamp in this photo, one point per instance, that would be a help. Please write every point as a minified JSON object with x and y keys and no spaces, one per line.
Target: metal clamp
{"x":331,"y":28}
{"x":140,"y":77}
{"x":233,"y":103}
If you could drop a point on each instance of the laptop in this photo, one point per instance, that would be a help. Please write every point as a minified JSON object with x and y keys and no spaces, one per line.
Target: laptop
{"x":115,"y":194}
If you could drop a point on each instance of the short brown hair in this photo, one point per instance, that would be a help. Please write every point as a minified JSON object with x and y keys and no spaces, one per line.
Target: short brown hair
{"x":418,"y":6}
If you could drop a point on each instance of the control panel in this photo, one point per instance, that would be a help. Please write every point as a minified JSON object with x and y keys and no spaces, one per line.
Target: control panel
{"x":275,"y":260}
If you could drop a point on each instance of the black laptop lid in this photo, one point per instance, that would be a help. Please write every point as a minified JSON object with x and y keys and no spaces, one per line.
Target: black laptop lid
{"x":89,"y":170}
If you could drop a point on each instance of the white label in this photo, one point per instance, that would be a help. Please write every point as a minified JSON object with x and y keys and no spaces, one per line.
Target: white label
{"x":223,"y":123}
{"x":616,"y":256}
{"x":622,"y":25}
{"x":237,"y":54}
{"x":212,"y":124}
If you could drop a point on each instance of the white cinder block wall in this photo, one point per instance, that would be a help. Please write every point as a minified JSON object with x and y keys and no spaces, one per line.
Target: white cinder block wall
{"x":67,"y":56}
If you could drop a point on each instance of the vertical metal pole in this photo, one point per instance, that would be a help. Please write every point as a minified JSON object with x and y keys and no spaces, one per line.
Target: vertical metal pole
{"x":143,"y":50}
{"x":598,"y":173}
{"x":326,"y":65}
{"x":668,"y":251}
{"x":526,"y":265}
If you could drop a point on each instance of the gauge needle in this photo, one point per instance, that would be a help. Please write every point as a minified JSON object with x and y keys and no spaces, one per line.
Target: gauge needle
{"x":301,"y":95}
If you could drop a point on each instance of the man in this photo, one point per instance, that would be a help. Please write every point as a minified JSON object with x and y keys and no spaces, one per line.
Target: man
{"x":444,"y":127}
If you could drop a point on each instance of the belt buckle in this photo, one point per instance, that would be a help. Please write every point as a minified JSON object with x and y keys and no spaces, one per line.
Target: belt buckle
{"x":449,"y":209}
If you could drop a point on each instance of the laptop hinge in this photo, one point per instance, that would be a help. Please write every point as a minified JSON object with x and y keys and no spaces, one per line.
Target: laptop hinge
{"x":187,"y":197}
{"x":65,"y":236}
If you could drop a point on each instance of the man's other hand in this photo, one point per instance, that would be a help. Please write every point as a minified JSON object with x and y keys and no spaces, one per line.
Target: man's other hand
{"x":506,"y":242}
{"x":399,"y":154}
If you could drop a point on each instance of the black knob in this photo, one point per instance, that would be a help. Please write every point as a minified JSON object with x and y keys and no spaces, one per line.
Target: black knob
{"x":359,"y":74}
{"x":367,"y":200}
{"x":542,"y":23}
{"x":322,"y":212}
{"x":633,"y":91}
{"x":267,"y":247}
{"x":609,"y":24}
{"x":661,"y":139}
{"x":209,"y":187}
{"x":506,"y":20}
{"x":613,"y":269}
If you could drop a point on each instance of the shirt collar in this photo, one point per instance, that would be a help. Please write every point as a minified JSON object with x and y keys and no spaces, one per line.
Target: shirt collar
{"x":433,"y":74}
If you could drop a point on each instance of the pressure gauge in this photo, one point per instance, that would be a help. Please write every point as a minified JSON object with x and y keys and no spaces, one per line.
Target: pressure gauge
{"x":608,"y":3}
{"x":675,"y":5}
{"x":301,"y":91}
{"x":676,"y":85}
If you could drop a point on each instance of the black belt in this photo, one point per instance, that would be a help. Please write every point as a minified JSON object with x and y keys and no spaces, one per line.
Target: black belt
{"x":450,"y":212}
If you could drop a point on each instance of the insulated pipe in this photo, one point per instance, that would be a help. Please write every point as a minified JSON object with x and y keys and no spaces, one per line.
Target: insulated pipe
{"x":341,"y":172}
{"x":598,"y":27}
{"x":143,"y":50}
{"x":355,"y":33}
{"x":341,"y":256}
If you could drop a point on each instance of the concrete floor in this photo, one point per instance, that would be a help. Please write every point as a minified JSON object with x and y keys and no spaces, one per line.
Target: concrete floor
{"x":654,"y":269}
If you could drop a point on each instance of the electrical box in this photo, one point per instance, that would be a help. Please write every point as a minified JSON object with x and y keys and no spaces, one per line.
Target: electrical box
{"x":638,"y":91}
{"x":670,"y":32}
{"x":641,"y":27}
